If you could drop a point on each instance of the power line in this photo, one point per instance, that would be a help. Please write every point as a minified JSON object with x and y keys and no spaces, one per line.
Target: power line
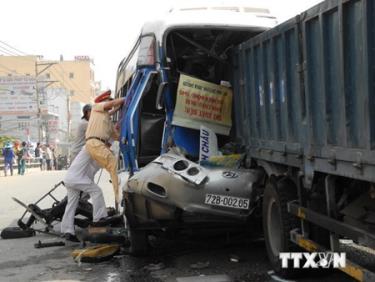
{"x":76,"y":86}
{"x":65,"y":83}
{"x":7,"y":51}
{"x":72,"y":84}
{"x":68,"y":83}
{"x":17,"y":50}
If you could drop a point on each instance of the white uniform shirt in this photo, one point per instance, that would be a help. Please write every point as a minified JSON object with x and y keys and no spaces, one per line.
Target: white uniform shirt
{"x":82,"y":170}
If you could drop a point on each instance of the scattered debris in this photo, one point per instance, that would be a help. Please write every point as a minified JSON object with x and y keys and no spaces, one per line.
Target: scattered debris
{"x":55,"y":213}
{"x":112,"y":276}
{"x":206,"y":278}
{"x":16,"y":232}
{"x":96,"y":253}
{"x":40,"y":245}
{"x":160,"y":275}
{"x":234,"y":258}
{"x":273,"y":275}
{"x":200,"y":265}
{"x":104,"y":235}
{"x":119,"y":256}
{"x":154,"y":266}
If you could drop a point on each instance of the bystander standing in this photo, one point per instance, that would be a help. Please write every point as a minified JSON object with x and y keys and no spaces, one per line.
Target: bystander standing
{"x":49,"y":157}
{"x":9,"y":156}
{"x":22,"y":156}
{"x":54,"y":157}
{"x":38,"y":155}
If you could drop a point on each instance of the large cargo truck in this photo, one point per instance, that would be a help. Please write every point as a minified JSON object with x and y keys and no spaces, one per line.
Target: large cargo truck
{"x":304,"y":109}
{"x":302,"y":117}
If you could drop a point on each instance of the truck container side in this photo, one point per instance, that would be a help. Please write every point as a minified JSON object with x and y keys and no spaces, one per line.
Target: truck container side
{"x":304,"y":109}
{"x":306,"y":88}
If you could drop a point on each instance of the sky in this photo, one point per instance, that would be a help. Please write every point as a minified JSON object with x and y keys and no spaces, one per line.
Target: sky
{"x":105,"y":30}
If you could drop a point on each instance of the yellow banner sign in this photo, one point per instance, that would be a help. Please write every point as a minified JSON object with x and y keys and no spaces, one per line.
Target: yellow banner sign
{"x":203,"y":103}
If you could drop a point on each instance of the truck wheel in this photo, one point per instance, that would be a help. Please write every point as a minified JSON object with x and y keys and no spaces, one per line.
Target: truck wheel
{"x":138,"y":242}
{"x":277,"y":222}
{"x":138,"y":239}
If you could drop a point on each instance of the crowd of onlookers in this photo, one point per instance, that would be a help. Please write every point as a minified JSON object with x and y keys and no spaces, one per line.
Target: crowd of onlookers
{"x":19,"y":153}
{"x":46,"y":155}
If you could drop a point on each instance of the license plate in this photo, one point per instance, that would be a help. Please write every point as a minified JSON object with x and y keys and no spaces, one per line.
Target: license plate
{"x":227,"y":201}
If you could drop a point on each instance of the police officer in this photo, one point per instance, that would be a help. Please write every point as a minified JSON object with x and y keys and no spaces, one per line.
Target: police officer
{"x":99,"y":131}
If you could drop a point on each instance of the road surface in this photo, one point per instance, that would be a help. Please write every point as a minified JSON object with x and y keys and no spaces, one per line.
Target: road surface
{"x":169,"y":260}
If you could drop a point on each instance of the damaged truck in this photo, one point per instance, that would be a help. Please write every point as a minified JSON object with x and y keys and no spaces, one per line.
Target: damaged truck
{"x":229,"y":119}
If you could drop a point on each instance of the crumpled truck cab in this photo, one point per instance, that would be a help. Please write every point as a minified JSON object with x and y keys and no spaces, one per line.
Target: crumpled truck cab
{"x":171,"y":185}
{"x":189,"y":43}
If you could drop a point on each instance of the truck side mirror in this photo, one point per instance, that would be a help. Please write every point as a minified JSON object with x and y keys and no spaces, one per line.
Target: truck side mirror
{"x":159,"y":96}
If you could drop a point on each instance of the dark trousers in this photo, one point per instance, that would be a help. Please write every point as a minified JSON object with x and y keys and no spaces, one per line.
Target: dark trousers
{"x":21,"y":166}
{"x":48,"y":164}
{"x":8,"y":164}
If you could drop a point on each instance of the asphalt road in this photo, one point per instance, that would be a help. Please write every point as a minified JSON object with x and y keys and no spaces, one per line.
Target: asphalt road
{"x":195,"y":257}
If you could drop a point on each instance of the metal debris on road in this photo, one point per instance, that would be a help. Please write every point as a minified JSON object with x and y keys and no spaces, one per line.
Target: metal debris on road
{"x":154,"y":266}
{"x":234,"y":258}
{"x":96,"y":253}
{"x":200,"y":265}
{"x":40,"y":245}
{"x":205,"y":278}
{"x":273,"y":275}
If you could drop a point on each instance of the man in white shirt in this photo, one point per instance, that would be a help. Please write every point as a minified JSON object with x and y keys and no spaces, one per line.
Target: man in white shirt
{"x":80,"y":178}
{"x":49,"y":157}
{"x":80,"y":138}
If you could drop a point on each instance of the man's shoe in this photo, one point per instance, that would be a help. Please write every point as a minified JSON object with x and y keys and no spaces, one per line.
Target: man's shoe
{"x":100,"y":223}
{"x":108,"y":221}
{"x":71,"y":238}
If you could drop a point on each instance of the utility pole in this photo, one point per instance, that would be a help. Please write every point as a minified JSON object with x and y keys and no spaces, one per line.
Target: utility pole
{"x":49,"y":82}
{"x":37,"y":102}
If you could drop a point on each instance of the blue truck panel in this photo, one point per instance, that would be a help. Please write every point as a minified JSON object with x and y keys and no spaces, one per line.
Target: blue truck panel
{"x":305,"y":90}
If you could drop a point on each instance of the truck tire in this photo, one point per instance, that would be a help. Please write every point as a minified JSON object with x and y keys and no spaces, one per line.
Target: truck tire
{"x":16,"y":232}
{"x":139,"y":245}
{"x":277,"y":223}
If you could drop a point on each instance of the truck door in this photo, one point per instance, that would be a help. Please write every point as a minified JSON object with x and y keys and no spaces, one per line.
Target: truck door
{"x":142,"y":124}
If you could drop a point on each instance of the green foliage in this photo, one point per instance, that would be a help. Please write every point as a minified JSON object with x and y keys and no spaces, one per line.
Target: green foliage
{"x":4,"y":139}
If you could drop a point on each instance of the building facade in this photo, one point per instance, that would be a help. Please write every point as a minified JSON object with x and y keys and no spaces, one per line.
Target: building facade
{"x":18,"y":107}
{"x":40,"y":97}
{"x":77,"y":76}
